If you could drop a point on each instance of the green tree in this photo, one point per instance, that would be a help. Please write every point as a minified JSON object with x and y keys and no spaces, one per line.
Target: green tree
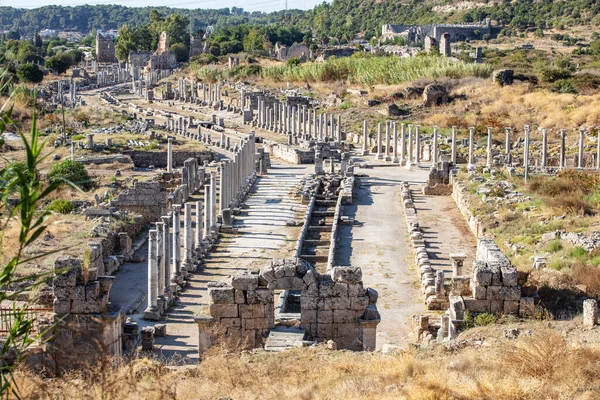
{"x":72,"y":172}
{"x":254,"y":40}
{"x":181,"y":52}
{"x":57,"y":64}
{"x":125,"y":43}
{"x":29,"y":73}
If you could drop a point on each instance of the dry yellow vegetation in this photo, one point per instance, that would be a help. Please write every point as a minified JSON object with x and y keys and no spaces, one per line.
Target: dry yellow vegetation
{"x":544,"y":365}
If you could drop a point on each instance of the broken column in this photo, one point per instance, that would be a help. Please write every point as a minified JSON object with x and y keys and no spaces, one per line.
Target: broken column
{"x":470,"y":163}
{"x":526,"y":152}
{"x":402,"y":144}
{"x":169,"y":155}
{"x":545,"y":148}
{"x":386,"y":151}
{"x":152,"y":311}
{"x":409,"y":159}
{"x":590,"y":312}
{"x":166,"y":245}
{"x":435,"y":145}
{"x":489,"y":148}
{"x":563,"y":137}
{"x":188,"y":244}
{"x":378,"y":155}
{"x":365,"y":148}
{"x":176,"y":270}
{"x":580,"y":152}
{"x":395,"y":155}
{"x":453,"y":153}
{"x":418,"y":145}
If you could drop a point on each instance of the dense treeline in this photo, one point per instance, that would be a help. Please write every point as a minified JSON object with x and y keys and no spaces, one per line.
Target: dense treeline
{"x":340,"y":20}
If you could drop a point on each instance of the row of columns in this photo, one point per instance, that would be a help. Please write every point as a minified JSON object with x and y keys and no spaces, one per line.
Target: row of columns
{"x":299,"y":122}
{"x":409,"y":157}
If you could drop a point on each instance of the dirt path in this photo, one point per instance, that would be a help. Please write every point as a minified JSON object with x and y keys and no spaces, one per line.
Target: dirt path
{"x":378,"y":242}
{"x":445,"y":231}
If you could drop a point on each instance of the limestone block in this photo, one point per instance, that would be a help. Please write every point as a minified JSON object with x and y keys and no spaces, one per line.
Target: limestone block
{"x":324,"y":330}
{"x":63,"y":293}
{"x":477,"y":306}
{"x":511,"y":293}
{"x":340,"y":289}
{"x":310,"y":277}
{"x":231,"y":322}
{"x":308,"y":317}
{"x":347,"y":274}
{"x":67,"y":279}
{"x":478,"y":292}
{"x":309,"y":302}
{"x":457,"y":308}
{"x":590,"y":312}
{"x":324,"y":316}
{"x":482,"y":274}
{"x":326,"y":288}
{"x":239,"y":296}
{"x":372,"y":295}
{"x":302,"y":267}
{"x":496,"y":306}
{"x":526,"y":307}
{"x":264,"y":295}
{"x":359,"y":303}
{"x":224,"y":295}
{"x":371,"y":313}
{"x":494,"y":293}
{"x":244,"y":281}
{"x":324,"y":304}
{"x":429,"y":291}
{"x":509,"y":276}
{"x":223,"y":310}
{"x":343,"y":303}
{"x":461,"y":285}
{"x":511,"y":307}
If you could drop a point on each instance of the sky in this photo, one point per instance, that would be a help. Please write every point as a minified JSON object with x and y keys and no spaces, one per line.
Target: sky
{"x":248,"y":5}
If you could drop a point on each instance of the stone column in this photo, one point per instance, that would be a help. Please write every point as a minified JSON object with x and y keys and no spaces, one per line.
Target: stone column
{"x":395,"y":159}
{"x":435,"y":145}
{"x":176,"y":270}
{"x":526,"y":152}
{"x":453,"y":154}
{"x":378,"y":155}
{"x":563,"y":137}
{"x":206,"y":225}
{"x":386,"y":151}
{"x":169,"y":155}
{"x":544,"y":148}
{"x":161,"y":258}
{"x":213,"y":200}
{"x":409,"y":159}
{"x":489,"y":148}
{"x":402,"y":144}
{"x":338,"y":128}
{"x":471,"y":144}
{"x":418,"y":145}
{"x":188,"y":244}
{"x":152,"y":274}
{"x":590,"y":312}
{"x":72,"y":150}
{"x":365,"y":148}
{"x":580,"y":153}
{"x":166,"y":244}
{"x":458,"y":260}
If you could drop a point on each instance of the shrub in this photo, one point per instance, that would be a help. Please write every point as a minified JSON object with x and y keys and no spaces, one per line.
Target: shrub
{"x":578,"y":252}
{"x":71,"y":171}
{"x":554,"y":246}
{"x":60,"y":206}
{"x":588,"y":276}
{"x":77,"y":137}
{"x":537,"y":355}
{"x":293,"y":62}
{"x":485,"y":319}
{"x":30,"y":73}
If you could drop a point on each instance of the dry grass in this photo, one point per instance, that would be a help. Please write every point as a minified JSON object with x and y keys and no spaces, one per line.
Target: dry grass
{"x":539,"y":367}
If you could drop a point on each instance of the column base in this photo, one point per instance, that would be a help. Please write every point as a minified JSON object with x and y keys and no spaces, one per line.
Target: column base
{"x":152,"y":314}
{"x":408,"y":165}
{"x":364,"y":153}
{"x":396,"y":160}
{"x":378,"y":156}
{"x":388,"y":158}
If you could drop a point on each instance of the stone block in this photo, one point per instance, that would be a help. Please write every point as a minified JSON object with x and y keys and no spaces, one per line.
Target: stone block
{"x":477,"y":306}
{"x":325,"y":316}
{"x":494,"y":293}
{"x":461,"y":285}
{"x":340,"y":289}
{"x":222,"y":295}
{"x":264,"y":295}
{"x":511,"y":293}
{"x":496,"y":306}
{"x":244,"y":281}
{"x":511,"y":307}
{"x":347,"y":274}
{"x":310,"y":278}
{"x":239,"y":297}
{"x":590,"y":312}
{"x":457,"y":308}
{"x":359,"y":303}
{"x":526,"y":307}
{"x":231,"y":322}
{"x":344,"y":316}
{"x":479,"y":292}
{"x":482,"y":274}
{"x":509,"y":276}
{"x":308,"y":302}
{"x":223,"y":310}
{"x":308,"y":317}
{"x":372,"y":295}
{"x":324,"y":330}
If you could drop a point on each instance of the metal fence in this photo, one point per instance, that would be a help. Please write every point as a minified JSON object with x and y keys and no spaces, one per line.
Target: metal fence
{"x":8,"y":316}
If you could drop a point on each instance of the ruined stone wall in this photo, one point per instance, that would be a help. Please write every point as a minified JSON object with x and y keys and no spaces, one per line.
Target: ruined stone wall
{"x":289,"y":153}
{"x":139,"y":58}
{"x":460,"y":194}
{"x":148,"y":199}
{"x":144,"y":159}
{"x":333,"y":307}
{"x":195,"y":45}
{"x":105,"y":49}
{"x":86,"y":328}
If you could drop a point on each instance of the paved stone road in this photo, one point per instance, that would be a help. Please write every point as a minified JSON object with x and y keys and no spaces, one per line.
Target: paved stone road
{"x":262,"y":235}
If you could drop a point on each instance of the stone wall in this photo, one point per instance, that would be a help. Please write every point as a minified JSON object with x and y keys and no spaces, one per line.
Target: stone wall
{"x":148,"y":199}
{"x":105,"y":49}
{"x":144,"y":159}
{"x":289,"y":153}
{"x":86,"y":329}
{"x":333,"y":307}
{"x":460,"y":194}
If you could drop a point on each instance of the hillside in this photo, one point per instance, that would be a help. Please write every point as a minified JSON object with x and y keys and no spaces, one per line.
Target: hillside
{"x":341,"y":19}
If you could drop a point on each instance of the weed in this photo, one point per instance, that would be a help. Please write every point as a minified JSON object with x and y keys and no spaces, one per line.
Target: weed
{"x":60,"y":206}
{"x":485,"y":319}
{"x":578,"y":253}
{"x":554,"y":246}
